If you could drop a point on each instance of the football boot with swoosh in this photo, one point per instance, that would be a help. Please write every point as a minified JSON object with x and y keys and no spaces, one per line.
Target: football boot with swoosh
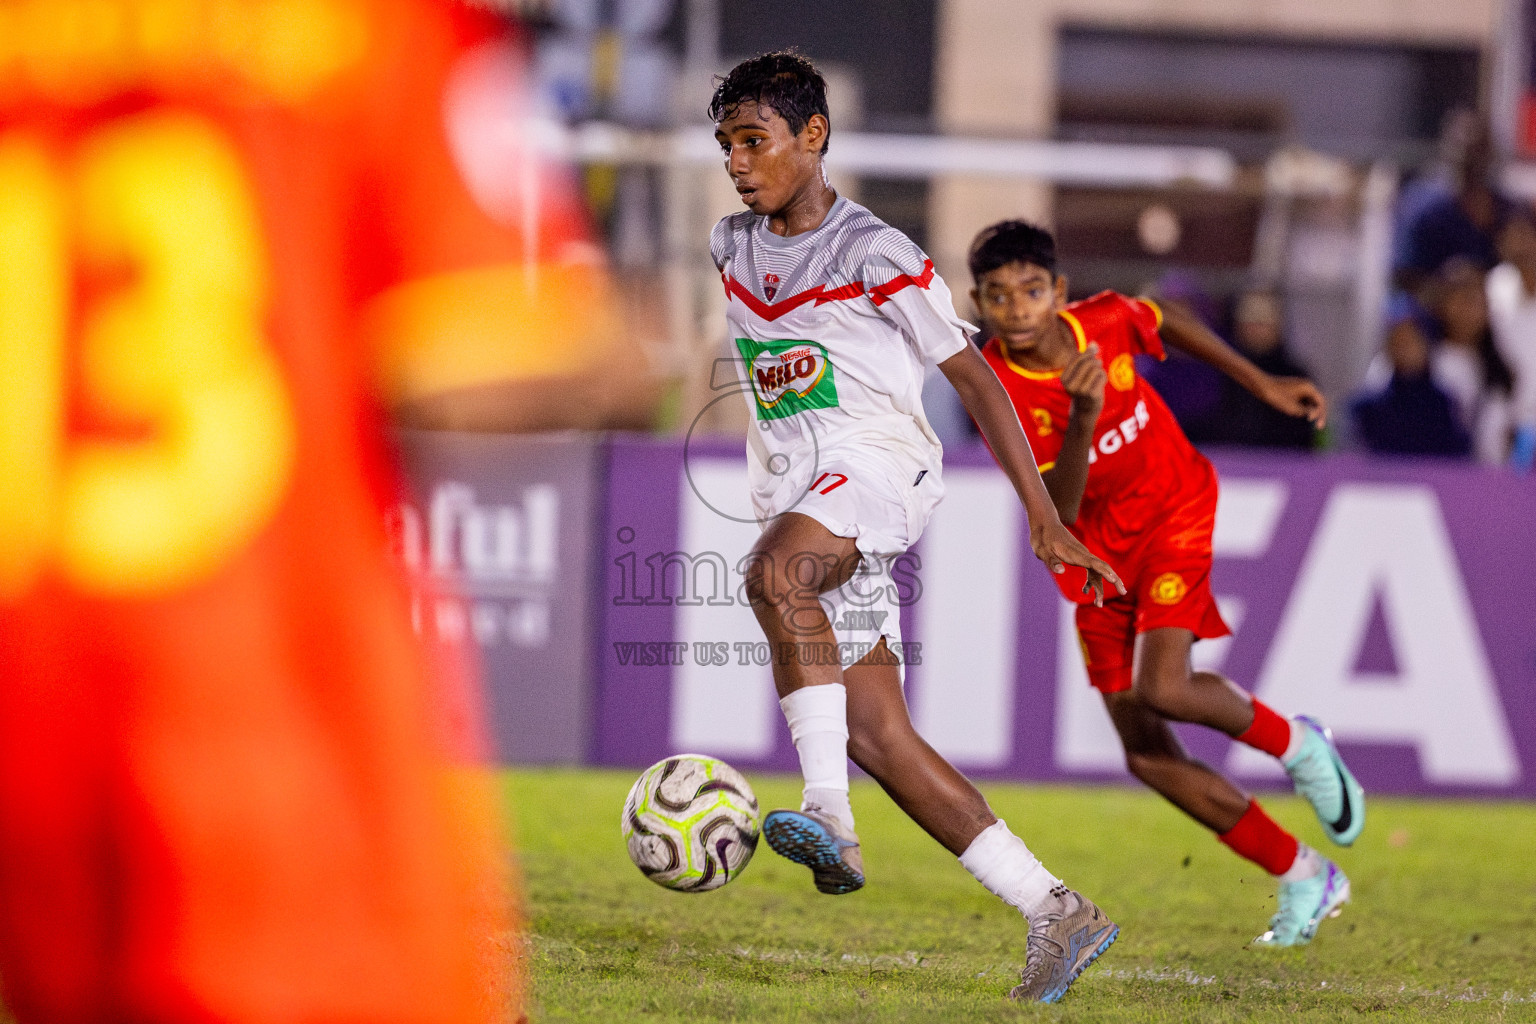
{"x":1320,"y":775}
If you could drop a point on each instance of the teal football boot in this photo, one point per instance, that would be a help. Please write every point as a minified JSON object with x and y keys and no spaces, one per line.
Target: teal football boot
{"x":1319,"y":774}
{"x":1304,"y":905}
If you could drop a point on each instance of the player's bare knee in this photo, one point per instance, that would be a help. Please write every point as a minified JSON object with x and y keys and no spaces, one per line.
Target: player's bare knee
{"x":756,"y":577}
{"x":1163,"y":692}
{"x":767,"y":589}
{"x":865,"y":754}
{"x":775,"y":584}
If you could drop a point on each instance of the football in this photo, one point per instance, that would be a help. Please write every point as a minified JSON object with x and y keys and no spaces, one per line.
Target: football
{"x":690,"y":823}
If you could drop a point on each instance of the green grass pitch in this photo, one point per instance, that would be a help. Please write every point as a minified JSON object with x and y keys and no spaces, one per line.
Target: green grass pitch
{"x":1442,"y":927}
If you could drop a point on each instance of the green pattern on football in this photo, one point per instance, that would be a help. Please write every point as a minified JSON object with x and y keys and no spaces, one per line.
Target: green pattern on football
{"x":690,"y":823}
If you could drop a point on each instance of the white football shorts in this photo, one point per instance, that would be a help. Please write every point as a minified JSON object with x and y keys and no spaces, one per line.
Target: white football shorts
{"x":883,"y":504}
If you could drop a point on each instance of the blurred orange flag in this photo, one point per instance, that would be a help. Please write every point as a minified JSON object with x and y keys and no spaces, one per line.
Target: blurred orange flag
{"x":233,"y":786}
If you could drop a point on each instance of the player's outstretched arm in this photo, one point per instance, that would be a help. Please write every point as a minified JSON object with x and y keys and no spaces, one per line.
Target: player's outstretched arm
{"x":1295,"y":396}
{"x":984,"y":398}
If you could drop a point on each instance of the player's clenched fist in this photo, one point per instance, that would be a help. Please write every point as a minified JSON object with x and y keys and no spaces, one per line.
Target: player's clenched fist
{"x":1295,"y":396}
{"x":1084,"y":379}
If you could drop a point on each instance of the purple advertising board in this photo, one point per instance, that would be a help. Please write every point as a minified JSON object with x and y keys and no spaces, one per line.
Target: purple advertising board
{"x":497,"y":532}
{"x":1393,"y":600}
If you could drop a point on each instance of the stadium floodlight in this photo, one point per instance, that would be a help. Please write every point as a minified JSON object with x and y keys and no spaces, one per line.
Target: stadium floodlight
{"x":921,"y":156}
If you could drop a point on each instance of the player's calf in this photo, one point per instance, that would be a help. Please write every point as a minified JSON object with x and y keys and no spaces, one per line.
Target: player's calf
{"x":1154,"y":755}
{"x":1202,"y":698}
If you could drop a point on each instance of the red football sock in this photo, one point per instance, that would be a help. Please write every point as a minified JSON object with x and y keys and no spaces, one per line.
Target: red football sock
{"x":1269,"y":732}
{"x":1259,"y":839}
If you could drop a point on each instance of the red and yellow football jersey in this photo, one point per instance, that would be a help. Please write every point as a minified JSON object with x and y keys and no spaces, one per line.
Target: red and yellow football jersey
{"x":226,"y":226}
{"x":1142,"y":469}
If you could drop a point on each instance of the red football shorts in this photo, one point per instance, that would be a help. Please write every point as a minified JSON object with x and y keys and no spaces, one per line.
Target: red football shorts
{"x":1166,"y":586}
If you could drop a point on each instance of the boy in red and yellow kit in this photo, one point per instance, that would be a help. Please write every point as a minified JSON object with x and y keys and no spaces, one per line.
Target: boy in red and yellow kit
{"x":1132,"y":488}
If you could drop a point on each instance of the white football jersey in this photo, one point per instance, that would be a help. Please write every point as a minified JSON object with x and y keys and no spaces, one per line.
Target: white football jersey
{"x":833,"y":329}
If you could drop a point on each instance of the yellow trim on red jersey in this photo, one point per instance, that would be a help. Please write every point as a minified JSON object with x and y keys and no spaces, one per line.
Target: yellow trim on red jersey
{"x":1077,"y":332}
{"x":1077,"y":328}
{"x":1157,"y":311}
{"x":1046,"y":467}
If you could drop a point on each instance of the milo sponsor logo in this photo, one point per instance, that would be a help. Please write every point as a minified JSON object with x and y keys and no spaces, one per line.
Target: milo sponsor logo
{"x":776,"y":373}
{"x":788,"y":376}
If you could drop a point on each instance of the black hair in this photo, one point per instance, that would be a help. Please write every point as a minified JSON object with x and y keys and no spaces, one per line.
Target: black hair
{"x":784,"y":80}
{"x":1011,"y":241}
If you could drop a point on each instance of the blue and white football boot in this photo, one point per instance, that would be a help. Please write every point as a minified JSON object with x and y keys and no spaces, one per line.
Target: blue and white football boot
{"x":1319,"y":774}
{"x":820,"y":842}
{"x":1064,"y":940}
{"x":1304,"y":905}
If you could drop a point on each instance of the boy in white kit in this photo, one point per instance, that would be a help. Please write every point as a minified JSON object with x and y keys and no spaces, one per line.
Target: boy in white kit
{"x":834,"y":315}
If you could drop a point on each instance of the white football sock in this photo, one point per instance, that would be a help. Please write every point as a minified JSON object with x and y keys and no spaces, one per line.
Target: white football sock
{"x":1001,"y":862}
{"x":1298,"y":734}
{"x":818,"y":724}
{"x":1308,"y":863}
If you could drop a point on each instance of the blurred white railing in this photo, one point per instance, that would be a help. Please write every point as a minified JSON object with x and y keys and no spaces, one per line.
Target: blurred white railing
{"x":920,"y":156}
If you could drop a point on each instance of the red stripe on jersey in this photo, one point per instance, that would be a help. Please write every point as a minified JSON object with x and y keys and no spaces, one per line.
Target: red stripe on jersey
{"x":847,"y":291}
{"x":882,"y":294}
{"x":774,"y":310}
{"x":820,"y":294}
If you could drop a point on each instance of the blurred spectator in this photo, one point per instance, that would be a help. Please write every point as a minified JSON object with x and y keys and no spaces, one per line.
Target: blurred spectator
{"x":1240,"y":418}
{"x":1511,"y":291}
{"x":1192,"y":389}
{"x":1465,"y":364}
{"x":1406,"y":412}
{"x":1458,"y":217}
{"x":1436,"y":178}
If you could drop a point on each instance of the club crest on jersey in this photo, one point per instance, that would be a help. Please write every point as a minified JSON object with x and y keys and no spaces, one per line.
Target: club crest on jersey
{"x":1122,"y":372}
{"x":770,"y":286}
{"x":1169,"y":588}
{"x":788,"y":376}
